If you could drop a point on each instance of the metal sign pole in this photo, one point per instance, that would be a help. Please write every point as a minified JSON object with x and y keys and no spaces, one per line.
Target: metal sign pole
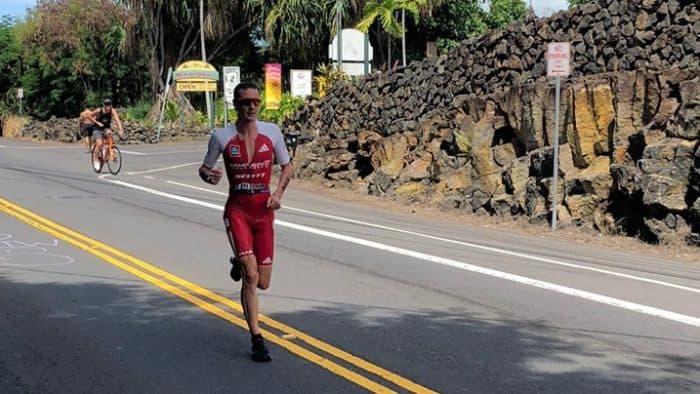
{"x":555,"y":193}
{"x":558,"y":65}
{"x":366,"y":54}
{"x":340,"y":42}
{"x":225,"y":113}
{"x":20,"y":96}
{"x":162,"y":104}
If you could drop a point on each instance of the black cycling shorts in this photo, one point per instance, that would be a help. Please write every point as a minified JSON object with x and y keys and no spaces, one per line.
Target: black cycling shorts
{"x":87,"y":130}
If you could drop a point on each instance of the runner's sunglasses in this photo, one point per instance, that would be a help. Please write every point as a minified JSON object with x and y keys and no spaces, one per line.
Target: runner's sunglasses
{"x":248,"y":102}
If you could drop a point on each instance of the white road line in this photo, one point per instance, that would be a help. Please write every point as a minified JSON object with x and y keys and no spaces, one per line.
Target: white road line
{"x":170,"y":152}
{"x":631,"y":306}
{"x":470,"y":245}
{"x":38,"y":147}
{"x":204,"y":189}
{"x":164,"y":168}
{"x":148,"y":177}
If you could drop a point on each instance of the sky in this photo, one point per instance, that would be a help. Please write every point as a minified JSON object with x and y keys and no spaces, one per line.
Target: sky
{"x":547,"y":7}
{"x":17,"y":7}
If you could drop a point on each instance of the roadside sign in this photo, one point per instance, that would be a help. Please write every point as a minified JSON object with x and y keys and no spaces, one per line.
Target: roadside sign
{"x":203,"y":86}
{"x":273,"y":85}
{"x":558,"y":65}
{"x":195,"y":76}
{"x":558,"y":59}
{"x":20,"y":93}
{"x":301,"y":82}
{"x":232,"y":77}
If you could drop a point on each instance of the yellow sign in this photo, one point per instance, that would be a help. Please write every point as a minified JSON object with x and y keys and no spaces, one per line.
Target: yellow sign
{"x":205,"y":86}
{"x":196,"y":76}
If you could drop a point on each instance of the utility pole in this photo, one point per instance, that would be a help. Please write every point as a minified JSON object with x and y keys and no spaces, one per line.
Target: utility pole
{"x":204,"y":55}
{"x":339,"y":29}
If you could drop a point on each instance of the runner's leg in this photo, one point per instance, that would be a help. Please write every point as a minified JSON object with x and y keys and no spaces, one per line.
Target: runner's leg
{"x":263,"y":245}
{"x":249,"y":295}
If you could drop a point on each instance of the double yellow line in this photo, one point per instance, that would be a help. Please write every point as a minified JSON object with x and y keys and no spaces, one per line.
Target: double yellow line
{"x":207,"y":300}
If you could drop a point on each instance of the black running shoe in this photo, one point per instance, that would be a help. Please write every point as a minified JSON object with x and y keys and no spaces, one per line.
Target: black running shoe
{"x":260,"y":352}
{"x":235,"y":269}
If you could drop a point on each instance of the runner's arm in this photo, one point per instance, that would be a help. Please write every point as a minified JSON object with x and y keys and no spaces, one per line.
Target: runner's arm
{"x":282,"y":157}
{"x":207,"y":171}
{"x":93,"y":115}
{"x":285,"y":177}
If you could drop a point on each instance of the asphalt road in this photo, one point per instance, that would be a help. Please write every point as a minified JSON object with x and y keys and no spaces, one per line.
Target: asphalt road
{"x":120,"y":284}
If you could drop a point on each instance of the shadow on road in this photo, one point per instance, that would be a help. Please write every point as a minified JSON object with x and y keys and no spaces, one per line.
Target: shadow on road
{"x":94,"y":336}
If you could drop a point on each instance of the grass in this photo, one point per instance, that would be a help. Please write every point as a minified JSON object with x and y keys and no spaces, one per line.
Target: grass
{"x":13,"y":125}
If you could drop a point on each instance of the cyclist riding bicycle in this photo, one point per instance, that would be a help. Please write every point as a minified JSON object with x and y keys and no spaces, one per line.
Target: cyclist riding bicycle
{"x":103,"y":120}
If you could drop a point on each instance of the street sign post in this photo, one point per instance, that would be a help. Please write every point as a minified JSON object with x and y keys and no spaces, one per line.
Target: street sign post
{"x":162,"y":103}
{"x":558,"y":65}
{"x":232,"y":77}
{"x":20,"y":96}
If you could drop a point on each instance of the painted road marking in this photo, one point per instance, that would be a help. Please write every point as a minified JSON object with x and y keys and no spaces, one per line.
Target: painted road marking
{"x":169,"y":152}
{"x":163,"y":169}
{"x":38,"y":147}
{"x":602,"y":299}
{"x":139,"y":267}
{"x":468,"y":244}
{"x":14,"y":253}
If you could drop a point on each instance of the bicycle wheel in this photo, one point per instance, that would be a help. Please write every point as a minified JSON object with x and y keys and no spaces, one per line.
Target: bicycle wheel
{"x":96,"y":164}
{"x":115,"y":163}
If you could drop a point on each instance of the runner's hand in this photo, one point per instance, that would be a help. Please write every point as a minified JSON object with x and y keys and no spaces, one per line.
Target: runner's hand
{"x":215,"y":175}
{"x":273,"y":202}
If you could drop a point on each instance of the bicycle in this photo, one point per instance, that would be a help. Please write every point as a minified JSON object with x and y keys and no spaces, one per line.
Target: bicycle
{"x":109,"y":151}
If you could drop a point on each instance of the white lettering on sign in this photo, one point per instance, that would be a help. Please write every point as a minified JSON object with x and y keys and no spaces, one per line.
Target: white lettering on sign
{"x":558,"y":59}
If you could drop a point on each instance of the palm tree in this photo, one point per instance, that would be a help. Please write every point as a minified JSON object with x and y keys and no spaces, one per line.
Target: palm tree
{"x":167,"y":31}
{"x":385,"y":10}
{"x":283,"y":22}
{"x":336,"y":11}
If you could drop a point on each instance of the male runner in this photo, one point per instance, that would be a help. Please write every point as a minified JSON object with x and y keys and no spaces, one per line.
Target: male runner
{"x":250,"y":148}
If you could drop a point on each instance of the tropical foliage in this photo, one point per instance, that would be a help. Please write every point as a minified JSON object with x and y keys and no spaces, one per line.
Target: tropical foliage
{"x":327,"y":75}
{"x":68,"y":54}
{"x":10,"y":63}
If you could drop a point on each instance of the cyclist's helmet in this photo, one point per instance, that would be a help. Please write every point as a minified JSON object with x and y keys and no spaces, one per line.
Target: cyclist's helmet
{"x":107,"y":102}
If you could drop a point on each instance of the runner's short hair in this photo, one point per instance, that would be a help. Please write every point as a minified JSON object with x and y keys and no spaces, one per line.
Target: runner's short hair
{"x":243,"y":86}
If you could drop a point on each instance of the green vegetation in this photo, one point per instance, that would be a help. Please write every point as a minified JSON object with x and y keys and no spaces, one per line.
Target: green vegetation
{"x":71,"y":54}
{"x":137,"y":112}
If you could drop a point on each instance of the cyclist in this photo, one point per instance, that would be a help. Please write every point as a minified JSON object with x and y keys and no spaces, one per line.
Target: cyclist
{"x":104,"y":116}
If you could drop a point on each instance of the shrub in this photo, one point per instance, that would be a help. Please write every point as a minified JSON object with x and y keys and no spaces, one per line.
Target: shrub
{"x":288,"y":105}
{"x":327,"y":76}
{"x":139,"y":111}
{"x":171,"y":113}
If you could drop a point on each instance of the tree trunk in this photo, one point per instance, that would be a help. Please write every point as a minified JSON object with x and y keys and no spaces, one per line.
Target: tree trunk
{"x":388,"y":62}
{"x":403,"y":36}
